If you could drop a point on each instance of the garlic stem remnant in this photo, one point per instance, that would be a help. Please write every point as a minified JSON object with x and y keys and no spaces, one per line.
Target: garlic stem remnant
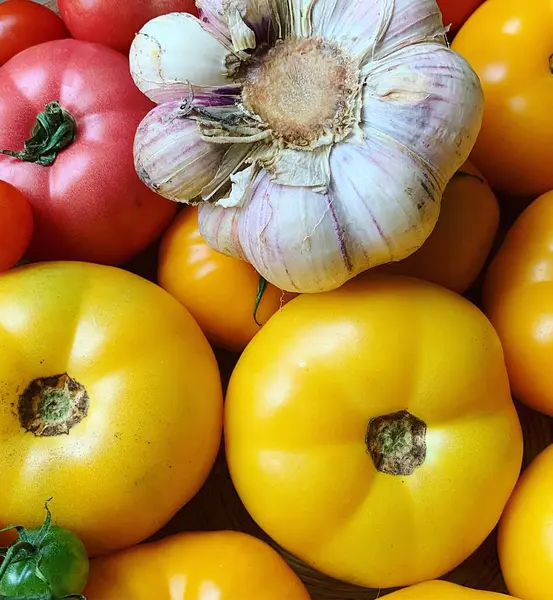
{"x":317,"y":135}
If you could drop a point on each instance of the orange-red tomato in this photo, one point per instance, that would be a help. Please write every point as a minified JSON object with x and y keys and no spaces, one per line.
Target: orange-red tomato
{"x":457,"y":249}
{"x":456,"y":12}
{"x":219,"y":565}
{"x":510,"y":45}
{"x":219,"y":291}
{"x":23,"y":24}
{"x":16,"y":225}
{"x":518,"y":299}
{"x":525,"y":540}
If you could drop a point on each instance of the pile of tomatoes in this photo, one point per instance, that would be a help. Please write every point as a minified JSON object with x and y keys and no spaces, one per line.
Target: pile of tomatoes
{"x":369,"y":431}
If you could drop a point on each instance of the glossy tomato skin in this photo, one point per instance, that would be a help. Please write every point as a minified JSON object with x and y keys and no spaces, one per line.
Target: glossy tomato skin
{"x":456,"y":12}
{"x":443,"y":590}
{"x":89,"y":205}
{"x":219,"y":291}
{"x":16,"y":225}
{"x":24,"y":23}
{"x":153,"y":425}
{"x":525,"y":542}
{"x":456,"y":251}
{"x":509,"y":43}
{"x":518,"y":294}
{"x":226,"y":565}
{"x":114,"y":23}
{"x":300,"y":406}
{"x":62,"y":560}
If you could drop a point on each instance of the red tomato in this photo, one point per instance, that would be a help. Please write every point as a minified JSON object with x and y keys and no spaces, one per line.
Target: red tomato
{"x":114,"y":23}
{"x":16,"y":225}
{"x":88,"y":205}
{"x":456,"y":12}
{"x":23,"y":24}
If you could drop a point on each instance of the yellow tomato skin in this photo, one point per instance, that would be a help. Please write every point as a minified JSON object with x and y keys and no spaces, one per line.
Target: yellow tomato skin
{"x":509,"y":43}
{"x":221,"y":565}
{"x":219,"y":291}
{"x":457,"y":249}
{"x":297,"y":414}
{"x":525,"y":541}
{"x":154,"y":421}
{"x":443,"y":590}
{"x":518,"y":298}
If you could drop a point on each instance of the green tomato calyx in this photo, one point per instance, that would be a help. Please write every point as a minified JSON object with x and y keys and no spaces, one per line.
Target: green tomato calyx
{"x":54,"y":130}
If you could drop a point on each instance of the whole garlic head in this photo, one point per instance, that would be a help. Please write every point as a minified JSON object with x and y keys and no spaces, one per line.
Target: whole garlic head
{"x":325,"y":130}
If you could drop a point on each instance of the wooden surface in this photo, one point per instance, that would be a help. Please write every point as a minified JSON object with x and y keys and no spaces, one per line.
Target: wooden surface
{"x":217,"y":506}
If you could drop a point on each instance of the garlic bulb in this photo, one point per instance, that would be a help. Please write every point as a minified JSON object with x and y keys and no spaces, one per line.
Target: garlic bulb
{"x":317,"y":135}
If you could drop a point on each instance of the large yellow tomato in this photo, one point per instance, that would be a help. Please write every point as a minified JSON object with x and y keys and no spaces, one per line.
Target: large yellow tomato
{"x":457,"y":249}
{"x":509,"y":43}
{"x":110,"y":402}
{"x":518,"y":298}
{"x":371,"y":432}
{"x":443,"y":590}
{"x":219,"y":565}
{"x":525,"y":535}
{"x":218,"y":290}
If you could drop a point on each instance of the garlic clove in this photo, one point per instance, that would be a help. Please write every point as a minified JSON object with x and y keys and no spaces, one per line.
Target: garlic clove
{"x":212,"y":15}
{"x":387,"y":199}
{"x":372,"y":29}
{"x":170,"y":157}
{"x":291,"y":235}
{"x":428,"y":99}
{"x":224,"y":19}
{"x":219,"y":227}
{"x":173,"y":52}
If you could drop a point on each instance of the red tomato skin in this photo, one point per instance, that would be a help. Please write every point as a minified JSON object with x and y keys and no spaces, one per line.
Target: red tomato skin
{"x":456,"y":12}
{"x":23,"y":24}
{"x":16,"y":225}
{"x":114,"y":23}
{"x":89,"y":205}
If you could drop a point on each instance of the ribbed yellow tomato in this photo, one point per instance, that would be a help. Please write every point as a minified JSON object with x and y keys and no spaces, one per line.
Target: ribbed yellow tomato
{"x":219,"y":291}
{"x":457,"y":249}
{"x":219,"y":565}
{"x":525,"y":535}
{"x":518,"y":298}
{"x":443,"y":590}
{"x":371,"y":432}
{"x":110,"y":402}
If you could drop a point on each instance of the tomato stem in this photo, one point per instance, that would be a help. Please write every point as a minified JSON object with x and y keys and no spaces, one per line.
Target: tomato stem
{"x":261,"y":288}
{"x":54,"y":130}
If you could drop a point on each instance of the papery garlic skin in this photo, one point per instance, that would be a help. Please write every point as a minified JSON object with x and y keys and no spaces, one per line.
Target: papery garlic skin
{"x":345,"y":169}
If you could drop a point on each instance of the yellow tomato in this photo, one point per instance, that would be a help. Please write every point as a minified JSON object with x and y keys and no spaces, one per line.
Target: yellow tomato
{"x":219,"y":291}
{"x":525,"y":535}
{"x":220,"y":565}
{"x":370,"y":430}
{"x":518,"y":298}
{"x":442,"y":590}
{"x":457,"y":249}
{"x":110,"y":402}
{"x":509,"y":43}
